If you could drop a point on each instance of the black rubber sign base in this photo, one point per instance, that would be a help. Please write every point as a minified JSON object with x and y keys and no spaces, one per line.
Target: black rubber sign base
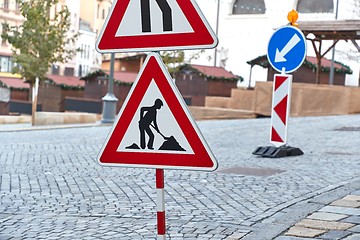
{"x":277,"y":152}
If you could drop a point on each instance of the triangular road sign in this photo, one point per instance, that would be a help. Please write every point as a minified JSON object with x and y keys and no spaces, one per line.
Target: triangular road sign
{"x":155,"y":25}
{"x":154,"y":128}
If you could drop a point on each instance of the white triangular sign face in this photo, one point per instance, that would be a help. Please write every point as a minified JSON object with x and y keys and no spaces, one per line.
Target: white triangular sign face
{"x":181,"y":25}
{"x":154,"y":128}
{"x":150,"y":25}
{"x":166,"y":122}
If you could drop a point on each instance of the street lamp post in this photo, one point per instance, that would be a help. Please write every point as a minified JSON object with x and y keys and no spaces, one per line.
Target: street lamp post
{"x":217,"y":29}
{"x":109,"y":100}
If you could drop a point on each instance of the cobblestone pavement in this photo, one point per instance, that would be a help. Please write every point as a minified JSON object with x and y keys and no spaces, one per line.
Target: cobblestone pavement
{"x":51,"y":186}
{"x":338,"y":220}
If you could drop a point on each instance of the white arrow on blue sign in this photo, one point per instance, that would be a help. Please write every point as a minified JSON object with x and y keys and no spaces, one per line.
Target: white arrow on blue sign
{"x":287,"y":49}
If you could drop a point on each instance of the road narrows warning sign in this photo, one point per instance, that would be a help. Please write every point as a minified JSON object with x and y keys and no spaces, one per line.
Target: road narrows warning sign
{"x":154,"y":128}
{"x":153,"y":26}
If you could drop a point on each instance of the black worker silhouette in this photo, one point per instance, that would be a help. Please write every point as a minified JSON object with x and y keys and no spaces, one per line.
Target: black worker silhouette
{"x":148,"y":116}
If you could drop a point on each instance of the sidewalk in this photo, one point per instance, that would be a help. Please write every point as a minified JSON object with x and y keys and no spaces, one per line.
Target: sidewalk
{"x":338,"y":220}
{"x":332,"y":215}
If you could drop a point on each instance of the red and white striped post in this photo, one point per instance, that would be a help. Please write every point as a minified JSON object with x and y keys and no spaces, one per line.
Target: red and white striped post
{"x":160,"y":194}
{"x":281,"y":102}
{"x":280,"y":112}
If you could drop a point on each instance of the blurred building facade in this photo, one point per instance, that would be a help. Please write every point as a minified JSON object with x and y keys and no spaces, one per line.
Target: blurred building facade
{"x":246,"y":26}
{"x":9,"y":13}
{"x":244,"y":30}
{"x":86,"y":20}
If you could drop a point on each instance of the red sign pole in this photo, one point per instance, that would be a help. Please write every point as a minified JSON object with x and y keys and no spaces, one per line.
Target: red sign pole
{"x":160,"y":193}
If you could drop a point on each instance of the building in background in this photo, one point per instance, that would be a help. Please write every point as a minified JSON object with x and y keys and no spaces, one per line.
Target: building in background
{"x":9,"y":13}
{"x":95,"y":12}
{"x":196,"y":82}
{"x":87,"y":59}
{"x":246,"y":26}
{"x":68,"y":68}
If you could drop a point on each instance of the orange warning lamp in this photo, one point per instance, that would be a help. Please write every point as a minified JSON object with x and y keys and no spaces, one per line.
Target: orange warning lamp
{"x":293,"y":17}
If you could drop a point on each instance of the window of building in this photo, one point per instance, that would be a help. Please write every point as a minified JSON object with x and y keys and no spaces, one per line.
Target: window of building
{"x":87,"y":51}
{"x":103,"y":14}
{"x":6,"y":4}
{"x":69,"y":71}
{"x":55,"y":69}
{"x":248,"y":7}
{"x":6,"y":64}
{"x":80,"y":71}
{"x":82,"y":51}
{"x":318,"y":6}
{"x":17,"y":7}
{"x":2,"y":40}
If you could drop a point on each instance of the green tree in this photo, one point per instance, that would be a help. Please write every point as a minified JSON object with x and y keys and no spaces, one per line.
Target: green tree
{"x":42,"y":39}
{"x":175,"y":59}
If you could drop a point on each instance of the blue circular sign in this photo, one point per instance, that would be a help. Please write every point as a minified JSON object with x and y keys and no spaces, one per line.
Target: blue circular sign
{"x":287,"y":49}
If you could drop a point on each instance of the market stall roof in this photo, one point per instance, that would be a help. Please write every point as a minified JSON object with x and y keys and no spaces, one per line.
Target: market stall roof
{"x":66,"y":81}
{"x":217,"y":72}
{"x":336,"y":30}
{"x":119,"y":77}
{"x":14,"y":83}
{"x":332,"y":30}
{"x":309,"y":62}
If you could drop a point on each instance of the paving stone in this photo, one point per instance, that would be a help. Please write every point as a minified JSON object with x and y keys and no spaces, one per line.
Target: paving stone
{"x":345,"y":203}
{"x":335,"y":234}
{"x":327,"y":216}
{"x":352,"y":198}
{"x":353,"y":237}
{"x":236,"y":236}
{"x":355,"y":229}
{"x":341,"y":210}
{"x":290,"y":238}
{"x":356,"y":193}
{"x":352,"y":219}
{"x":324,"y":225}
{"x":298,"y":231}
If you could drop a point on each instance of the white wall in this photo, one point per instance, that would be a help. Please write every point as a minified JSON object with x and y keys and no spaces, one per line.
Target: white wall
{"x":246,"y":36}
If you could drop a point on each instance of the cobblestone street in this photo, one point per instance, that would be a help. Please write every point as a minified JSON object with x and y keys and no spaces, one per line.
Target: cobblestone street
{"x":51,"y":186}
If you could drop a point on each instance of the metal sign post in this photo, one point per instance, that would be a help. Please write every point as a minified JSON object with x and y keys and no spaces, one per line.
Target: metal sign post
{"x":110,"y":100}
{"x":160,"y":196}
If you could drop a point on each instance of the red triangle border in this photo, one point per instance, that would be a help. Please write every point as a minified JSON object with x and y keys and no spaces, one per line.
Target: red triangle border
{"x":202,"y":159}
{"x":202,"y":37}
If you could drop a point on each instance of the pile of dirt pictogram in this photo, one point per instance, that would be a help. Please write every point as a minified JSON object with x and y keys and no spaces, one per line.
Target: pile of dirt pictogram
{"x":170,"y":144}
